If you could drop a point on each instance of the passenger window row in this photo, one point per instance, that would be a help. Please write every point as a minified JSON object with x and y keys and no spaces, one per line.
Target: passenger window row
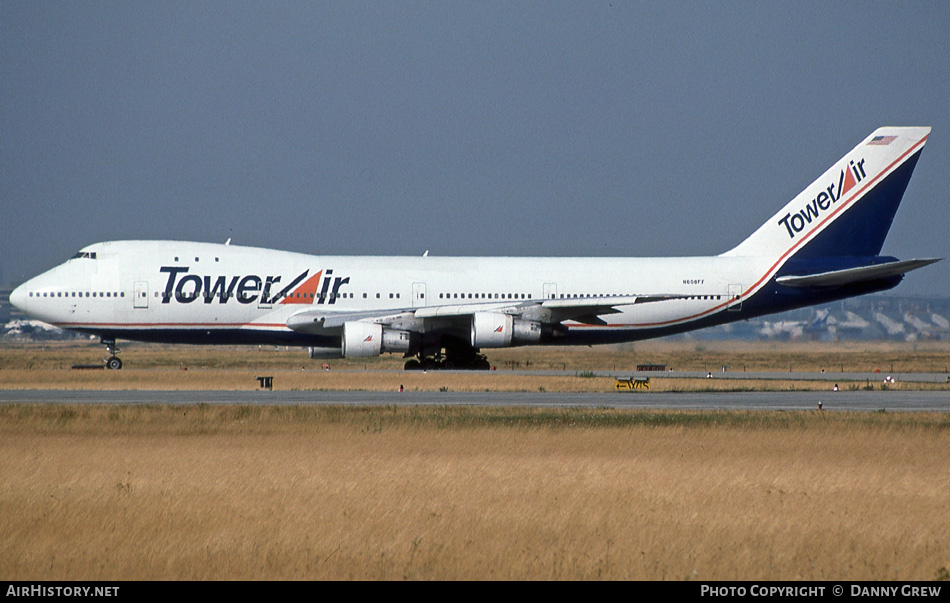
{"x":77,"y":294}
{"x":484,"y":296}
{"x":585,"y":295}
{"x":225,"y":295}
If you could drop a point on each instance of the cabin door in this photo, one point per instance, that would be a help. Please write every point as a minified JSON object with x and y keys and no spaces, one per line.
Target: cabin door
{"x":140,"y":295}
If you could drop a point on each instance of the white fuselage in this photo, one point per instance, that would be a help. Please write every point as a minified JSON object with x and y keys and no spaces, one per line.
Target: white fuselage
{"x":177,"y":287}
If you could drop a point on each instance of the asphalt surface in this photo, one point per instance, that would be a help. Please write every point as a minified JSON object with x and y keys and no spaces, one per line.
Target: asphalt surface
{"x":902,"y":401}
{"x":831,"y":377}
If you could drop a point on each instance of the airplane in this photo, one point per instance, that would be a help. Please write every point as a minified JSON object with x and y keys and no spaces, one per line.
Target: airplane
{"x":441,"y":312}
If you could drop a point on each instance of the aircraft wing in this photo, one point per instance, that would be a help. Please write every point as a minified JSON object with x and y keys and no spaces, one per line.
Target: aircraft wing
{"x":583,"y":305}
{"x":584,"y":310}
{"x":315,"y":320}
{"x":849,"y":276}
{"x":607,"y":302}
{"x":587,"y":310}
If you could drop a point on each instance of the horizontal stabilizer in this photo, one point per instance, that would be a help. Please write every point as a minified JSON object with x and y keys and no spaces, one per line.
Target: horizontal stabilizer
{"x":837,"y":278}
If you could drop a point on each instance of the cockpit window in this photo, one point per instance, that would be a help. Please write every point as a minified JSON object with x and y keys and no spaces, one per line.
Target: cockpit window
{"x":91,"y":255}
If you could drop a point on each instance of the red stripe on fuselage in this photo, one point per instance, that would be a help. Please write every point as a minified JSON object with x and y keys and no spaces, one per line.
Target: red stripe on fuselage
{"x":147,"y":325}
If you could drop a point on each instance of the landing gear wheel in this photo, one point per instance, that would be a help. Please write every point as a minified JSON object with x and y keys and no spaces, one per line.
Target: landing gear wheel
{"x":413,"y":365}
{"x":112,"y":361}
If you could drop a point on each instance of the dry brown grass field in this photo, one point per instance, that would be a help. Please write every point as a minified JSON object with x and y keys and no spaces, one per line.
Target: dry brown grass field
{"x":220,"y":492}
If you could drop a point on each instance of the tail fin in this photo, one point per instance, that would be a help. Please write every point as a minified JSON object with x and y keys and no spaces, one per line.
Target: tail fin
{"x":849,"y":209}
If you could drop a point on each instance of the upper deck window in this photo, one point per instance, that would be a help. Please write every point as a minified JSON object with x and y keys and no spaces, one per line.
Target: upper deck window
{"x":91,"y":255}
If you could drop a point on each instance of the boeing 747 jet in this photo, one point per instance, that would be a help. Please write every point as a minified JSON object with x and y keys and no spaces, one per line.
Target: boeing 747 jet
{"x":441,"y":312}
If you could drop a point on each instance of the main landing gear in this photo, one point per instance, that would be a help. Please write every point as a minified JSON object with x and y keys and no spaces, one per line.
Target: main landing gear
{"x":112,"y":360}
{"x":457,"y":359}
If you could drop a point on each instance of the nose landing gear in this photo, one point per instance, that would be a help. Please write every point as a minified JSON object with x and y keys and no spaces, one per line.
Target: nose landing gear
{"x":112,"y":360}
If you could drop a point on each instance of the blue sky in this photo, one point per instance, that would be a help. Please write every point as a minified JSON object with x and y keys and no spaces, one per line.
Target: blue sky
{"x":463,"y":128}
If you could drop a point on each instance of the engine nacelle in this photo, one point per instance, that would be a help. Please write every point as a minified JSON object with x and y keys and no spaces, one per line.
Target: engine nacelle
{"x":497,"y":330}
{"x":363,"y":339}
{"x":321,"y":352}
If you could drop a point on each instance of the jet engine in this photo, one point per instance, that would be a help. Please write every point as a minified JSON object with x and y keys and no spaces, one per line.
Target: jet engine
{"x":497,"y":330}
{"x":363,"y":339}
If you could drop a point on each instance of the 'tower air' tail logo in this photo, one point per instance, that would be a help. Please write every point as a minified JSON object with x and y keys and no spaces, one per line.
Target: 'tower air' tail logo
{"x":852,"y":174}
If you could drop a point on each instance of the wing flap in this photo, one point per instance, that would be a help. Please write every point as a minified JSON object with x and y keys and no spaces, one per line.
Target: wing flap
{"x":506,"y":307}
{"x":319,"y":321}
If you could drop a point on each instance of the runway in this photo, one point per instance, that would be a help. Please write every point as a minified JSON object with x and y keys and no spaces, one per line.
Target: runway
{"x":830,"y":377}
{"x":867,"y":401}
